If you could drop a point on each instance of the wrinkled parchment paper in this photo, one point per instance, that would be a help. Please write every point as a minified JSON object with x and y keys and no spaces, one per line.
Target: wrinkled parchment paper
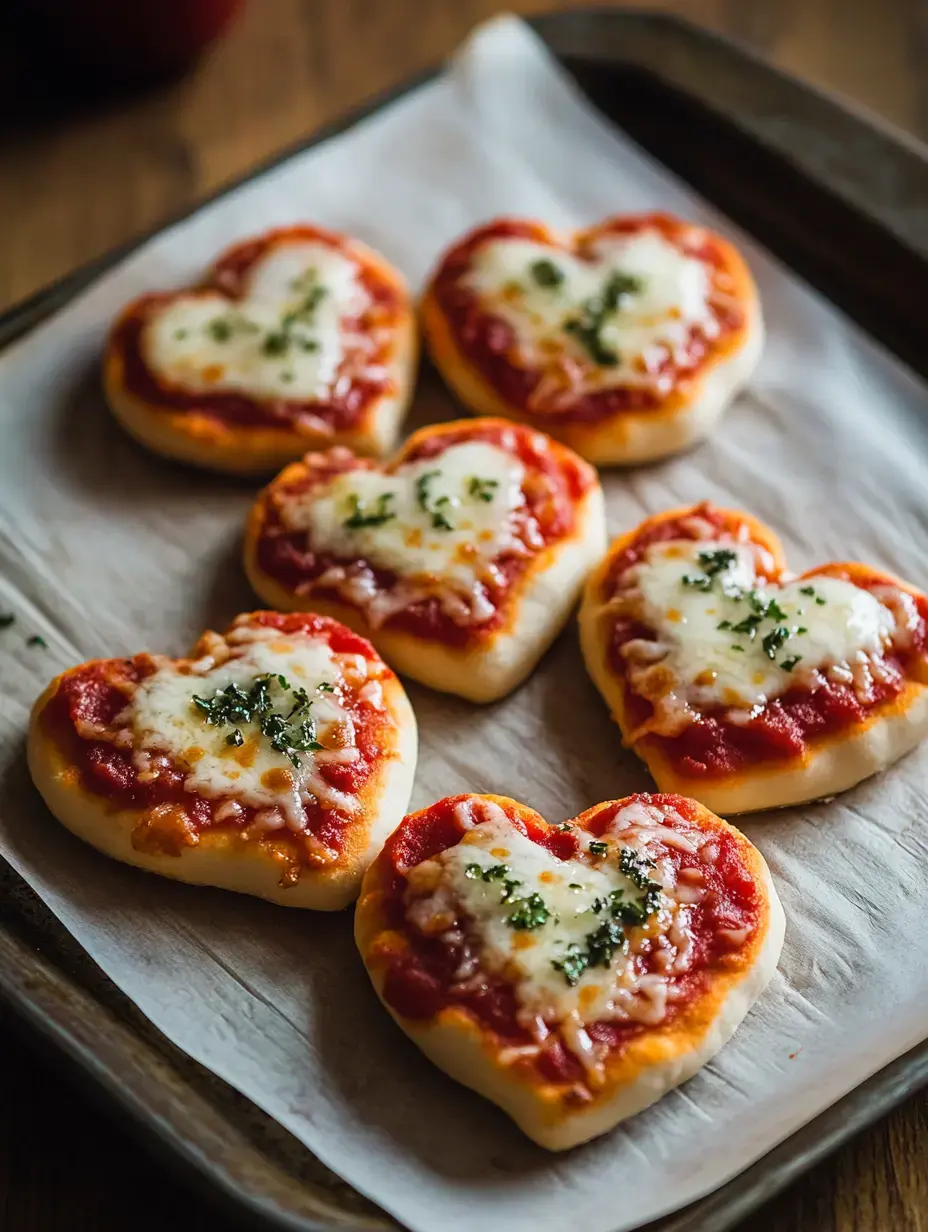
{"x":107,"y":550}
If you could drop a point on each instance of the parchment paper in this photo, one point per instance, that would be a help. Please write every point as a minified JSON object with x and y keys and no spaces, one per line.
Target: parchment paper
{"x":106,"y":550}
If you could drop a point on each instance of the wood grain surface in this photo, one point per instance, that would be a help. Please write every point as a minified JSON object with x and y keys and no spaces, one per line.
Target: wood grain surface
{"x":77,"y":179}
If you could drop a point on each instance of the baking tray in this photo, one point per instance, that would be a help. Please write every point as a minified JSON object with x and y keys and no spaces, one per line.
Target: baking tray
{"x":833,"y":194}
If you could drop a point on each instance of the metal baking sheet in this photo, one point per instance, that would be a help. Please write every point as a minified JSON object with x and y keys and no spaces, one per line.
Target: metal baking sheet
{"x":765,"y":130}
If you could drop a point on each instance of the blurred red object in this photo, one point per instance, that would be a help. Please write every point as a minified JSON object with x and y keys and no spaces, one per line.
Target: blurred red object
{"x":123,"y":42}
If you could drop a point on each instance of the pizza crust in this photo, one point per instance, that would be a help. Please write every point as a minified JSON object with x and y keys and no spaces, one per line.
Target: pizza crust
{"x":200,"y":439}
{"x":629,"y":437}
{"x":222,"y":858}
{"x":831,"y":765}
{"x":497,"y":662}
{"x":652,"y":1064}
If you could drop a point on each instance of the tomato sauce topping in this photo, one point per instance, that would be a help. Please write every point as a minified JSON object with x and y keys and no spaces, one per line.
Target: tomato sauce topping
{"x":352,"y":395}
{"x":91,"y":697}
{"x":489,"y":341}
{"x":555,"y":481}
{"x":787,"y":725}
{"x":420,"y":977}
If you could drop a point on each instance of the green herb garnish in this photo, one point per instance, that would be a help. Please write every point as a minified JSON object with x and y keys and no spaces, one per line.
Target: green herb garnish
{"x":790,"y":663}
{"x":820,"y":601}
{"x":361,"y":516}
{"x":572,"y":965}
{"x":6,"y":619}
{"x":277,"y":343}
{"x":546,"y":273}
{"x":588,"y":325}
{"x":435,"y":508}
{"x":495,"y":872}
{"x":807,"y":590}
{"x":773,"y":640}
{"x":717,"y":560}
{"x":598,"y":848}
{"x":219,"y":329}
{"x":35,"y":640}
{"x":234,"y":705}
{"x":482,"y":489}
{"x":698,"y":581}
{"x":602,"y":943}
{"x":529,"y":913}
{"x":181,"y":334}
{"x":748,"y":625}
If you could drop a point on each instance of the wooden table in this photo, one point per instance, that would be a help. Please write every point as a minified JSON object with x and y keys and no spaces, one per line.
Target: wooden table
{"x":75,"y":183}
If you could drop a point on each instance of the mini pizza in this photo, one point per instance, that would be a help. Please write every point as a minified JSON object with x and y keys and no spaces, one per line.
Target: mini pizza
{"x":274,"y":761}
{"x":460,"y":559}
{"x":745,"y":686}
{"x":570,"y":973}
{"x":626,"y":341}
{"x":299,"y":338}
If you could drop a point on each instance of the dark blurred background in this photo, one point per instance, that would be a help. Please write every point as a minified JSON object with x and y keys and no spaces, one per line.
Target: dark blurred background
{"x":115,"y":114}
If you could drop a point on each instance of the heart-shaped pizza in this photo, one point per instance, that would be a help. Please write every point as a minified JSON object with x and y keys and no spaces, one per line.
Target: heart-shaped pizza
{"x":298,"y":338}
{"x":460,"y":559}
{"x":742,"y":685}
{"x":274,"y":761}
{"x":571,"y":973}
{"x":625,"y":341}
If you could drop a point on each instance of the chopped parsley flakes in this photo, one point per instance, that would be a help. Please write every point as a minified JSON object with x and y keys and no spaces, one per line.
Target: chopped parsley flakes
{"x":716,"y":562}
{"x":529,"y":913}
{"x":292,"y":732}
{"x":608,"y":938}
{"x":482,"y":489}
{"x":361,"y":516}
{"x":546,"y":273}
{"x":587,"y":325}
{"x":436,"y":508}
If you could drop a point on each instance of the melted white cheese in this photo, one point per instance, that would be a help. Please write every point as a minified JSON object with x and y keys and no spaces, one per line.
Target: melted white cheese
{"x":713,"y":666}
{"x":649,"y":324}
{"x":180,"y":345}
{"x":420,"y":497}
{"x":164,"y":720}
{"x":569,"y":889}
